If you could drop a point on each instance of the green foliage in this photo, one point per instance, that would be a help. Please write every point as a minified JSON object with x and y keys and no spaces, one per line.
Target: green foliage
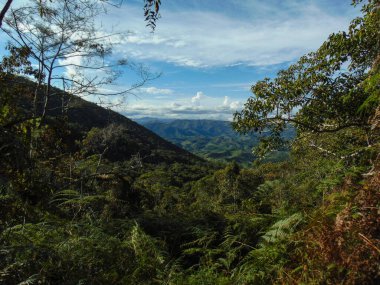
{"x":67,"y":253}
{"x":113,"y":142}
{"x":281,"y":229}
{"x":83,"y":201}
{"x":149,"y":256}
{"x":318,"y":94}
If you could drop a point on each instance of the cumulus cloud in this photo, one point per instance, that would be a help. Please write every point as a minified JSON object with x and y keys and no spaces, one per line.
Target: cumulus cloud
{"x":199,"y":106}
{"x":235,"y":105}
{"x":225,"y":102}
{"x":196,"y":100}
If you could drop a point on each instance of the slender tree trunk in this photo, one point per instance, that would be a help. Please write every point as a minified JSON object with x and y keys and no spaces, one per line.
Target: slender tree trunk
{"x":4,"y":11}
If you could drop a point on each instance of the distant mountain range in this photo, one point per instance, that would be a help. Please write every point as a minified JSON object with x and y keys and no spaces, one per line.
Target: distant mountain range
{"x":211,"y":139}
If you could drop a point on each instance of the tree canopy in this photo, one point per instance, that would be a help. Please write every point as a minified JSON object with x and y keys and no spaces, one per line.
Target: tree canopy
{"x":324,"y":91}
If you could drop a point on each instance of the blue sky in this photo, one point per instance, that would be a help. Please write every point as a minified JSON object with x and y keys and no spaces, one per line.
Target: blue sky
{"x":211,"y":52}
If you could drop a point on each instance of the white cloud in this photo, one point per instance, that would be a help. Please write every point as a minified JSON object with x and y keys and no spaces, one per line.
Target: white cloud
{"x":200,"y":38}
{"x":156,"y":91}
{"x":199,"y":106}
{"x":70,"y":64}
{"x":225,"y":102}
{"x":187,"y":112}
{"x":149,"y":39}
{"x":196,"y":100}
{"x":235,"y":105}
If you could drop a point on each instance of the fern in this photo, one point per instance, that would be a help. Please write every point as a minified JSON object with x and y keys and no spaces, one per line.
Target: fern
{"x":204,"y":237}
{"x":30,"y":281}
{"x":281,"y":229}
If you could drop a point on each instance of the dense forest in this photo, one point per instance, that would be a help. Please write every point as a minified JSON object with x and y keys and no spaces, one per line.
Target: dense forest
{"x":87,"y":196}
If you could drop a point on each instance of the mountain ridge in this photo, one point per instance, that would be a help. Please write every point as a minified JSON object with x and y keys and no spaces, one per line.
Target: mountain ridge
{"x":212,"y":139}
{"x":82,"y":116}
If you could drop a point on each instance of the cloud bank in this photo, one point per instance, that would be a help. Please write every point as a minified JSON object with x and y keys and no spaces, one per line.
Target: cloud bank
{"x":273,"y":34}
{"x":199,"y":106}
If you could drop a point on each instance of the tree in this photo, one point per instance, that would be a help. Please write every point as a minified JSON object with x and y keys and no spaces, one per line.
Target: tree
{"x":68,"y":50}
{"x":151,"y":12}
{"x":324,"y":92}
{"x":151,"y":9}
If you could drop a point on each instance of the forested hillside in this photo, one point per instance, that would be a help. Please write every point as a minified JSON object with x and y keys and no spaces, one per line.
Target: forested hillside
{"x":214,"y":140}
{"x":87,"y":196}
{"x":103,"y":128}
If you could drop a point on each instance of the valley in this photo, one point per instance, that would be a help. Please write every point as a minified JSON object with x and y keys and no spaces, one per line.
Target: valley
{"x":213,"y":140}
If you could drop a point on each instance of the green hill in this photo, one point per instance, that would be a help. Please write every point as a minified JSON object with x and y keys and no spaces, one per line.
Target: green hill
{"x":127,"y":137}
{"x":211,"y":139}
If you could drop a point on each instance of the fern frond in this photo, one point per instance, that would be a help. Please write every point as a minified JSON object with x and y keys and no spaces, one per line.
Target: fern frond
{"x":281,"y":229}
{"x":31,"y":280}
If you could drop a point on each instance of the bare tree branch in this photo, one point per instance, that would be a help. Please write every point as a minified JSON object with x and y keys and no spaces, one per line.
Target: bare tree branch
{"x":4,"y":11}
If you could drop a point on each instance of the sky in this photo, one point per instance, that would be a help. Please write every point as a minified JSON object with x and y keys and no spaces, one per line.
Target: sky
{"x":209,"y":53}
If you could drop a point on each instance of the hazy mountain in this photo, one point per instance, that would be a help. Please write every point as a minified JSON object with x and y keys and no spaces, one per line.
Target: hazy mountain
{"x":210,"y":138}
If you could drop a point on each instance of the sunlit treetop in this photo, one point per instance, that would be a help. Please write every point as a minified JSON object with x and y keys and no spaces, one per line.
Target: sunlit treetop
{"x":325,"y":91}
